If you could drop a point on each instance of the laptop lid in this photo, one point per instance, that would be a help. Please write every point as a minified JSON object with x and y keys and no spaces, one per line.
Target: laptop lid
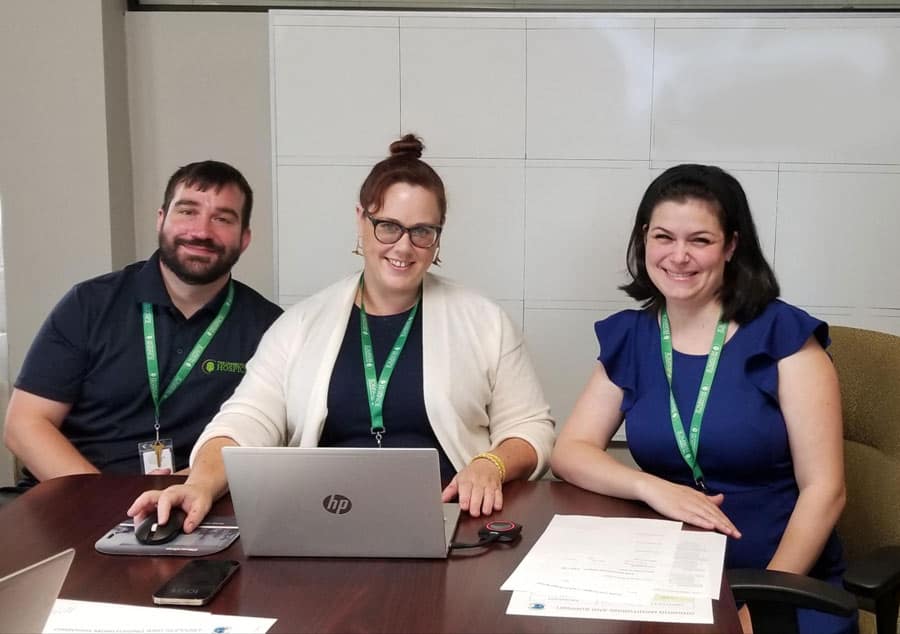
{"x":339,"y":502}
{"x":27,"y":596}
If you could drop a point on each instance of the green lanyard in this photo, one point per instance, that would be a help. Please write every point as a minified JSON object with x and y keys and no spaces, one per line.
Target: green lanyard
{"x":376,"y":386}
{"x":688,"y":446}
{"x":192,"y":358}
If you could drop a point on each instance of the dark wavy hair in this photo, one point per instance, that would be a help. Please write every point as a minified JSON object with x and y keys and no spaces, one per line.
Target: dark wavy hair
{"x":749,"y":283}
{"x":206,"y":174}
{"x":404,"y":165}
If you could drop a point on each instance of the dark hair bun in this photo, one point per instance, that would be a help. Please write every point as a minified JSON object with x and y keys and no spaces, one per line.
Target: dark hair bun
{"x":409,"y":146}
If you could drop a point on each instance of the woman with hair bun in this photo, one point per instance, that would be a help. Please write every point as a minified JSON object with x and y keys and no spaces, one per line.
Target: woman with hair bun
{"x":457,"y":373}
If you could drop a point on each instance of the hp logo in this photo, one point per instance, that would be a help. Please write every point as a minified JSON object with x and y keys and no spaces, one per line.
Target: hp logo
{"x":337,"y":504}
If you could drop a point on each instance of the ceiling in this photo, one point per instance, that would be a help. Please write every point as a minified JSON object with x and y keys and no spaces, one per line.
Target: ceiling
{"x":520,"y":5}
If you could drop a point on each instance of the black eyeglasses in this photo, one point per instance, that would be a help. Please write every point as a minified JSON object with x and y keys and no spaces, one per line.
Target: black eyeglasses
{"x":389,"y":232}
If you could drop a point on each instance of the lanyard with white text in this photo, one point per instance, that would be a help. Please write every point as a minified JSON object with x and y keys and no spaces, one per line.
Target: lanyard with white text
{"x":192,"y":358}
{"x":376,"y":386}
{"x":688,"y":446}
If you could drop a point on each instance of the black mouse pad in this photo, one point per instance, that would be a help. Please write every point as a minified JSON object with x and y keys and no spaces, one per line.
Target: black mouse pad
{"x":216,"y":533}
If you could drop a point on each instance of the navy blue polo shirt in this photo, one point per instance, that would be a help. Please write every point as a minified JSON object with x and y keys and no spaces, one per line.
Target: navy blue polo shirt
{"x":90,"y":353}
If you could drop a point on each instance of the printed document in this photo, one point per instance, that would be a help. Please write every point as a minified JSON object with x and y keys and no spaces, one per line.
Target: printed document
{"x":619,"y":568}
{"x":89,"y":617}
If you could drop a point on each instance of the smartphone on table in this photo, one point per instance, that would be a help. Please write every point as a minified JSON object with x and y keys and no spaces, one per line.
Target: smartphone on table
{"x":196,"y":583}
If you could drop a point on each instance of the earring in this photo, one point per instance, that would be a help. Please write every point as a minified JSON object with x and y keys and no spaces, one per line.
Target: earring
{"x":358,"y":248}
{"x":437,"y":257}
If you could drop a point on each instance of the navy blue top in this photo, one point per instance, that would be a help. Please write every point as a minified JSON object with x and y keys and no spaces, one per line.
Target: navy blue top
{"x":406,"y":424}
{"x":90,"y":353}
{"x":743,"y":449}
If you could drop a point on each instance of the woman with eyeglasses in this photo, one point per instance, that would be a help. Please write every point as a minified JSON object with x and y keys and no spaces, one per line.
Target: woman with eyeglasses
{"x":448,"y":368}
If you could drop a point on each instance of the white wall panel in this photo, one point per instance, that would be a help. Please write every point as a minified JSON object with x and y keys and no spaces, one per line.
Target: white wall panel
{"x":599,"y":110}
{"x":336,"y":90}
{"x":564,"y":350}
{"x":316,"y":226}
{"x":778,"y":90}
{"x":464,"y":87}
{"x":579,"y":218}
{"x":481,"y":245}
{"x":837,"y":237}
{"x":881,"y":319}
{"x":877,"y":320}
{"x":762,"y":194}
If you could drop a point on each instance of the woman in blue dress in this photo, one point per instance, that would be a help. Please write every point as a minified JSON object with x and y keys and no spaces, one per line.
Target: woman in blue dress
{"x":751,"y":444}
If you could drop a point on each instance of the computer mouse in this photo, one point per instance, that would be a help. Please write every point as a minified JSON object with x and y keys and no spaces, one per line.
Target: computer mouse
{"x":152,"y":533}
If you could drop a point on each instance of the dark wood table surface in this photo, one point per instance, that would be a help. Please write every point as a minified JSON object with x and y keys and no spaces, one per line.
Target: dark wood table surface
{"x":460,"y":594}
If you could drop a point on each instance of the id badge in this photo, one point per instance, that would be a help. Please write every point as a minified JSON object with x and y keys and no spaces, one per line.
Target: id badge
{"x":156,"y":454}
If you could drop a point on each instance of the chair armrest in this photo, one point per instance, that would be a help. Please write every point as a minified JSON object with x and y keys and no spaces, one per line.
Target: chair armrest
{"x":876,"y":575}
{"x":772,"y":586}
{"x":8,"y":494}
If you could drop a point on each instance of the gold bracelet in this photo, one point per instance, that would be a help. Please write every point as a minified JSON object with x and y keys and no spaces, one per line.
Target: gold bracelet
{"x":495,"y":460}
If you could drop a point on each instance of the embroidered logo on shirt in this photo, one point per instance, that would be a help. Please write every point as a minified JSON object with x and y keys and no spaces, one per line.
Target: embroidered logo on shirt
{"x":231,"y":367}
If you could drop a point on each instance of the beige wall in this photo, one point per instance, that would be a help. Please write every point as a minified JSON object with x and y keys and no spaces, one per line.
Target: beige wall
{"x":59,"y":223}
{"x":118,"y":146}
{"x":198,"y":89}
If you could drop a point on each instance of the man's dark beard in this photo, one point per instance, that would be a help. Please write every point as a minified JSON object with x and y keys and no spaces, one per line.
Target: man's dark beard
{"x":203,"y":273}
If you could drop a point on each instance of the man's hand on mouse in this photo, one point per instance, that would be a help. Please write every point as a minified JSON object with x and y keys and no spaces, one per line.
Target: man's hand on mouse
{"x":192,"y":499}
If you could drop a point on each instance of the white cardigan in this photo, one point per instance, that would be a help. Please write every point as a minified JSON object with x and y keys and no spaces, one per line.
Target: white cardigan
{"x":480,"y":387}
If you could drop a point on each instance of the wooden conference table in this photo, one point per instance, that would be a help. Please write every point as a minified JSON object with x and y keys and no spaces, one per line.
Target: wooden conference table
{"x":460,"y":594}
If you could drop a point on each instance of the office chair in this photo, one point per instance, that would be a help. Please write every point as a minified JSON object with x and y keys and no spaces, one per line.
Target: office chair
{"x":10,"y":493}
{"x":868,"y":367}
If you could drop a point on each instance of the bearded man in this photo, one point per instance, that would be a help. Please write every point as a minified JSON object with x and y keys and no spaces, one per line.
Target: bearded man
{"x":130,"y":366}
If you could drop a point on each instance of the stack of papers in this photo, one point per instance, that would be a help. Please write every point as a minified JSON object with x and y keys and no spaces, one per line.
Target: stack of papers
{"x":70,"y":617}
{"x":619,"y":568}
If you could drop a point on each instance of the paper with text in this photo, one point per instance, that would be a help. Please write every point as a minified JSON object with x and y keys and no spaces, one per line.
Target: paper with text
{"x":621,"y":560}
{"x":671,"y":610}
{"x":619,"y":568}
{"x":89,"y":617}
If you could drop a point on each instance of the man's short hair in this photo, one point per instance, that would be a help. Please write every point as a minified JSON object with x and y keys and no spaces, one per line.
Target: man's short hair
{"x":205,"y":174}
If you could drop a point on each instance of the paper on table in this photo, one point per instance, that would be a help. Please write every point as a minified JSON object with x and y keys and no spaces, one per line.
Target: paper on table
{"x":619,"y":568}
{"x":668,"y":610}
{"x":89,"y":617}
{"x":697,"y":567}
{"x":619,"y":560}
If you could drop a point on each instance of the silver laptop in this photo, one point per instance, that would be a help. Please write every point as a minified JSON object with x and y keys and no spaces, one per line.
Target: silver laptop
{"x":339,"y":502}
{"x":27,"y":596}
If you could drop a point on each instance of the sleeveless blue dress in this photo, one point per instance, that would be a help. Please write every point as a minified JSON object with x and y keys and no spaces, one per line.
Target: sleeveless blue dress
{"x":743,"y":449}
